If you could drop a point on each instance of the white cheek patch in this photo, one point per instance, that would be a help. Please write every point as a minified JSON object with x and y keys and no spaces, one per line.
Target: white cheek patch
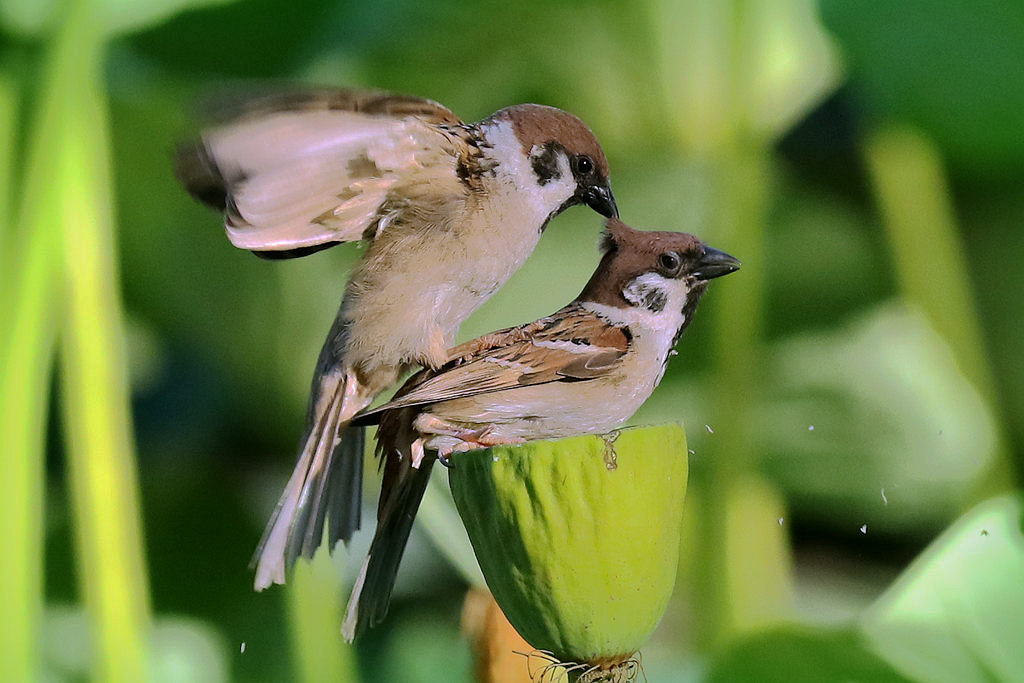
{"x":517,"y":167}
{"x":658,"y":328}
{"x":507,"y":151}
{"x":649,"y":291}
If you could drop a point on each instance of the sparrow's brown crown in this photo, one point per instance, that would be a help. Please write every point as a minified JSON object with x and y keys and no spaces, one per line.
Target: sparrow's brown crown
{"x":629,"y":253}
{"x":537,"y":124}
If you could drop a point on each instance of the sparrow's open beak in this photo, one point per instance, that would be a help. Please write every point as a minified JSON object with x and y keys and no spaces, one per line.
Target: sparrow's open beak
{"x":715,"y":263}
{"x":600,"y":199}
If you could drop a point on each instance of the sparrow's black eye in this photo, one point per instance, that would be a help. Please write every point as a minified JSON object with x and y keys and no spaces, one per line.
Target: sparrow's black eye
{"x":669,"y":262}
{"x":584,"y":164}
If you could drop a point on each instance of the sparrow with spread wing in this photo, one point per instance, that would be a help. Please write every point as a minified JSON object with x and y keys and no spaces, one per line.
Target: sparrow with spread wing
{"x":583,"y":370}
{"x":449,"y":210}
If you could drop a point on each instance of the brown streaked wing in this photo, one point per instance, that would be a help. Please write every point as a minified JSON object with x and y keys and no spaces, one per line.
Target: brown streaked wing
{"x":572,"y":345}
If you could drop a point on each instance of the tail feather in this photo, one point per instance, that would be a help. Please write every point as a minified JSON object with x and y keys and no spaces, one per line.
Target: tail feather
{"x":302,"y":539}
{"x":371,"y":595}
{"x":345,"y":488}
{"x":336,"y":495}
{"x":327,"y":477}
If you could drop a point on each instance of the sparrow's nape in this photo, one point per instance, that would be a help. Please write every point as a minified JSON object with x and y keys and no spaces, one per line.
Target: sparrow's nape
{"x":715,"y":263}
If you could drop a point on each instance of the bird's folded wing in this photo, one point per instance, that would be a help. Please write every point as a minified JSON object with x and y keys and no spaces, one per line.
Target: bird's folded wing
{"x":306,"y":169}
{"x":572,"y":345}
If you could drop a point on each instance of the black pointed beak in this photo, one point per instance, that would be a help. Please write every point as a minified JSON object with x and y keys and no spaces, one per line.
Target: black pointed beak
{"x":601,"y":199}
{"x":715,"y":263}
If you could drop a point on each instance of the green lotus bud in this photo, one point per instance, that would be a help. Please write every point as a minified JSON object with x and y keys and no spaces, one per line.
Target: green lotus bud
{"x":578,"y":538}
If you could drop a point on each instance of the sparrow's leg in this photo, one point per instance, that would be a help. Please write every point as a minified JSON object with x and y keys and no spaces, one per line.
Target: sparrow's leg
{"x":485,"y":437}
{"x":469,"y":439}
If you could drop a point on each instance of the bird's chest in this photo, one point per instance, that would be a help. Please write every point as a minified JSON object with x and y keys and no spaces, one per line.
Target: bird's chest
{"x":497,"y":238}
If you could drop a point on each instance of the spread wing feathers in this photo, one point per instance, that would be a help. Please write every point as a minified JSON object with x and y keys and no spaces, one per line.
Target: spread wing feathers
{"x":573,"y":344}
{"x":293,"y":172}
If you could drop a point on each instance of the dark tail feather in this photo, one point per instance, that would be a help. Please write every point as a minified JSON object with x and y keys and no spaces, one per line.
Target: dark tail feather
{"x":345,"y":488}
{"x":326,"y":483}
{"x":336,"y":496}
{"x":371,"y":594}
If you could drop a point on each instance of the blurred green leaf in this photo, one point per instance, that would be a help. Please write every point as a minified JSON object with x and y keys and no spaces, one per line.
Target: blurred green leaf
{"x":251,"y":39}
{"x":36,"y":17}
{"x":190,"y":650}
{"x":797,"y":654}
{"x":315,"y":614}
{"x":875,"y":423}
{"x":758,"y":565}
{"x":421,"y":650}
{"x":182,"y":649}
{"x":914,"y":199}
{"x":728,"y":68}
{"x":789,"y":63}
{"x":955,"y":614}
{"x":128,"y":16}
{"x":29,"y":17}
{"x":951,"y":68}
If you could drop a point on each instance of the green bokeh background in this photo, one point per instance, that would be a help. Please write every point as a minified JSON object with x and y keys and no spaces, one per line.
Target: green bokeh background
{"x":850,"y":394}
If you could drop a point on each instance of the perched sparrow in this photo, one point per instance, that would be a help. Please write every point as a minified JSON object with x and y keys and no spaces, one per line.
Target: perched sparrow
{"x":450,"y":211}
{"x":584,"y":369}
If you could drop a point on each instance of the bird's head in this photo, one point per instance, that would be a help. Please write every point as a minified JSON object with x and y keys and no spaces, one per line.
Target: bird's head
{"x":654,"y":276}
{"x":565,"y":158}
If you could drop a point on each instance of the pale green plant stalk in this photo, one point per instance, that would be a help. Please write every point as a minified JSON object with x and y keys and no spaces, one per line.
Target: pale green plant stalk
{"x":315,"y":614}
{"x":29,"y":307}
{"x":101,"y":463}
{"x":26,"y":347}
{"x":713,"y":53}
{"x":739,"y":203}
{"x":8,"y":135}
{"x":914,"y":199}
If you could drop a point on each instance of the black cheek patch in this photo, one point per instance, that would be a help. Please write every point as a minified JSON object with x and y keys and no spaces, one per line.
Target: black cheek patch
{"x":545,"y":164}
{"x":654,"y":300}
